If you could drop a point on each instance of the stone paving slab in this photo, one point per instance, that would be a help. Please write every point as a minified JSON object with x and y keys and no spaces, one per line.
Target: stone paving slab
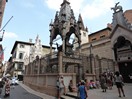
{"x":92,"y":93}
{"x":110,"y":94}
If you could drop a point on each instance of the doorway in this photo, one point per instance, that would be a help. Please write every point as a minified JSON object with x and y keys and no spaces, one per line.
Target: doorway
{"x":125,"y":69}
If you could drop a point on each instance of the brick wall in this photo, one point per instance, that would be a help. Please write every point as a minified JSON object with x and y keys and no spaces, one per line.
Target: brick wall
{"x":2,"y":8}
{"x":128,"y":15}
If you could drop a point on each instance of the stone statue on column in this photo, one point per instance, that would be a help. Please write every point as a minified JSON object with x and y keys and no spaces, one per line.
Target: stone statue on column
{"x":117,"y":8}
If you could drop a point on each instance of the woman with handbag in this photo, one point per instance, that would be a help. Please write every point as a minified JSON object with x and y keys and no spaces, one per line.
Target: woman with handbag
{"x":119,"y":81}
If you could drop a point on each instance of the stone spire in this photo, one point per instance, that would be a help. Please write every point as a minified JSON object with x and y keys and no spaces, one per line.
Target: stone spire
{"x":37,"y":40}
{"x":81,"y":22}
{"x":65,"y":2}
{"x":65,"y":25}
{"x":118,"y":17}
{"x":37,"y":47}
{"x":65,"y":11}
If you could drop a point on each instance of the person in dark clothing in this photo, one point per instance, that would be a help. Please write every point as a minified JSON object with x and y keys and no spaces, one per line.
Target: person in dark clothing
{"x":103,"y":83}
{"x":1,"y":85}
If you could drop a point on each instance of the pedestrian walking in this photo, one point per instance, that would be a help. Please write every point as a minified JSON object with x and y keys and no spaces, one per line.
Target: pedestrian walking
{"x":82,"y":91}
{"x":109,"y":82}
{"x":13,"y":82}
{"x":1,"y":85}
{"x":103,"y":83}
{"x":119,"y":81}
{"x":7,"y":88}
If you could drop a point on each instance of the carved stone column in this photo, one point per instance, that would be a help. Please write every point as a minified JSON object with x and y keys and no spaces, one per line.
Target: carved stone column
{"x":63,"y":46}
{"x":38,"y":66}
{"x":50,"y":49}
{"x":60,"y":63}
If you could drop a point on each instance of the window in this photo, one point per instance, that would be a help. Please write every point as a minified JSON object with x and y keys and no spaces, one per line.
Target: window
{"x":20,"y":66}
{"x":93,"y":39}
{"x":84,"y":34}
{"x":102,"y":36}
{"x":20,"y":55}
{"x":21,"y":45}
{"x":14,"y":55}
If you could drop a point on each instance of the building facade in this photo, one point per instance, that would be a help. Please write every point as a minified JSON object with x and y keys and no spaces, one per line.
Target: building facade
{"x":23,"y":53}
{"x":121,"y":41}
{"x":2,"y":8}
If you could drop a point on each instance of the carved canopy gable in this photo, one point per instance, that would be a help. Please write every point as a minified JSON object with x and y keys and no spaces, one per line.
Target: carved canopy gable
{"x":65,"y":25}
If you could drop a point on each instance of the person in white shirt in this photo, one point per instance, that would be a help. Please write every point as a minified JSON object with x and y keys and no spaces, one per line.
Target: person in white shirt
{"x":119,"y":81}
{"x":130,"y":76}
{"x":62,"y":85}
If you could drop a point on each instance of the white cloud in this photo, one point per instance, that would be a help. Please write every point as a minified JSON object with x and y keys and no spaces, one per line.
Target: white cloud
{"x":89,"y":10}
{"x":97,"y":8}
{"x":55,"y":5}
{"x":10,"y":35}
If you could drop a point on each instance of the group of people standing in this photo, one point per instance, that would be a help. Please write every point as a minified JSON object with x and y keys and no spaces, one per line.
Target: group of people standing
{"x":106,"y":81}
{"x":5,"y":83}
{"x":61,"y":88}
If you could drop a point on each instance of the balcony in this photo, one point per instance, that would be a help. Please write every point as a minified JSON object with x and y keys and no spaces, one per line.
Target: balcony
{"x":18,"y":60}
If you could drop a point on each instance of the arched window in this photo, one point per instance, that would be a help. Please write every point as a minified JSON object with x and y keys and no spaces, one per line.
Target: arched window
{"x":20,"y":55}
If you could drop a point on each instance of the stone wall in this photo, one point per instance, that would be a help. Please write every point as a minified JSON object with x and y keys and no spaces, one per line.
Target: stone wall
{"x":42,"y":77}
{"x":46,"y":83}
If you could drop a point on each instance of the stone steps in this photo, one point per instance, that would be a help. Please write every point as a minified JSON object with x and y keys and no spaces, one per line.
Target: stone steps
{"x":66,"y":97}
{"x":70,"y":95}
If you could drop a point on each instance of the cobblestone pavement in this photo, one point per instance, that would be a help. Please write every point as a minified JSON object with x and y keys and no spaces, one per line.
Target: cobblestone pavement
{"x":111,"y":94}
{"x":93,"y":93}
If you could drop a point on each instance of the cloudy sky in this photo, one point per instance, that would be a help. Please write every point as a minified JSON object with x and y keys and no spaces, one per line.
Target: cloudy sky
{"x":32,"y":17}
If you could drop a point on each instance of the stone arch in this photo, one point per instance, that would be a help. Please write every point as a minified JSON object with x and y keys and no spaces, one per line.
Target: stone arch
{"x":68,"y":45}
{"x":120,"y":43}
{"x":55,"y":33}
